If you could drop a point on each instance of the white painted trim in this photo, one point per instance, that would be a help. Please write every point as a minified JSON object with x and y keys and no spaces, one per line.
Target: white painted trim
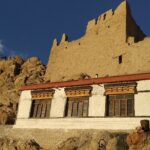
{"x":81,"y":123}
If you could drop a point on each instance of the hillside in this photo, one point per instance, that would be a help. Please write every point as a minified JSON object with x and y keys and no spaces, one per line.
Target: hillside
{"x":15,"y":72}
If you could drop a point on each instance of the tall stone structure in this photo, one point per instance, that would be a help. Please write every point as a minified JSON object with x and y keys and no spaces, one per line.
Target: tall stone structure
{"x":112,"y":45}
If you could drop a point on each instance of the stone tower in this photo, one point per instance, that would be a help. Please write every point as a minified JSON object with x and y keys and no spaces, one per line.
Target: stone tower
{"x":113,"y":45}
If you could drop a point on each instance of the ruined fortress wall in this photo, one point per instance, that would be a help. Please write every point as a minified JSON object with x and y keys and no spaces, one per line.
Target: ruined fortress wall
{"x":97,"y":53}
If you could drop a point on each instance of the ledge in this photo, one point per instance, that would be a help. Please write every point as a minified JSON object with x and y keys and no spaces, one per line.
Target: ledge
{"x":81,"y":123}
{"x":113,"y":79}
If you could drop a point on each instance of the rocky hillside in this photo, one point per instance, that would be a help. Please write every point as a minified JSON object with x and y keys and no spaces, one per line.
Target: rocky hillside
{"x":15,"y":72}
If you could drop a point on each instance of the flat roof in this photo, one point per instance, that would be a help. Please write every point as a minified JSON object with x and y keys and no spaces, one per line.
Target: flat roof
{"x":102,"y":80}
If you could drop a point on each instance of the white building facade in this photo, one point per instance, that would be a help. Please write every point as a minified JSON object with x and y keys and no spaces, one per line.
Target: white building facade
{"x":111,"y":103}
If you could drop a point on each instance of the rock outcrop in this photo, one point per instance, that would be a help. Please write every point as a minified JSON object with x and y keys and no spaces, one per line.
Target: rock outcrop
{"x":15,"y":72}
{"x":139,"y":139}
{"x":102,"y":141}
{"x":12,"y":144}
{"x":67,"y":140}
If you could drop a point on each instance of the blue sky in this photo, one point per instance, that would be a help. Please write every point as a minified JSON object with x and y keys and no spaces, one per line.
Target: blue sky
{"x":28,"y":27}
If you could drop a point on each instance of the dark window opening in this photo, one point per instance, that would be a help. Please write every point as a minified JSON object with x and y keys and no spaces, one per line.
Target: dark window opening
{"x":120,"y":59}
{"x":120,"y":105}
{"x":77,"y":107}
{"x":40,"y":109}
{"x":104,"y":17}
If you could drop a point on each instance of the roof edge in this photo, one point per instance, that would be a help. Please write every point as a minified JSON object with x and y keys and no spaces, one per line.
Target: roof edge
{"x":102,"y":80}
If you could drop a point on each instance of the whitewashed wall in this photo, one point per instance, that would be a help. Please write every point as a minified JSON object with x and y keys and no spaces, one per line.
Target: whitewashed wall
{"x":58,"y":103}
{"x":24,"y":104}
{"x":142,"y":98}
{"x":97,"y":101}
{"x":81,"y":123}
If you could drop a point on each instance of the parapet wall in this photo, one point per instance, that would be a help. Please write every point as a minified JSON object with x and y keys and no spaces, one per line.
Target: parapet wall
{"x":100,"y":20}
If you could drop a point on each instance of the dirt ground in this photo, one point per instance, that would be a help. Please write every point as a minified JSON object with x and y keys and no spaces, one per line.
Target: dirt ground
{"x":69,"y":139}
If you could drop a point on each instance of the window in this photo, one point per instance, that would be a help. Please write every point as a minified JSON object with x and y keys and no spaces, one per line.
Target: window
{"x":41,"y":103}
{"x":77,"y":101}
{"x":77,"y":107}
{"x":40,"y":108}
{"x":104,"y":17}
{"x":120,"y":59}
{"x":121,"y":105}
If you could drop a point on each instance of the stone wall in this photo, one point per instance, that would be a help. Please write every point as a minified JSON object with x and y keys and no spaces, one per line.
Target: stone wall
{"x":142,"y":98}
{"x":113,"y":34}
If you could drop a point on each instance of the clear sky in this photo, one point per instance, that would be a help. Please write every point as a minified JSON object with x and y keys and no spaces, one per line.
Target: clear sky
{"x":28,"y":27}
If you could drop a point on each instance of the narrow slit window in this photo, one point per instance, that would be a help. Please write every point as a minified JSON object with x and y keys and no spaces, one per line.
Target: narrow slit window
{"x":104,"y":17}
{"x":120,"y":59}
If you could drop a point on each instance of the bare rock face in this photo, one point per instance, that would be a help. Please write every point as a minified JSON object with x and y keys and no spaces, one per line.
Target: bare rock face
{"x":32,"y":71}
{"x":11,"y":144}
{"x":15,"y":72}
{"x":7,"y":115}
